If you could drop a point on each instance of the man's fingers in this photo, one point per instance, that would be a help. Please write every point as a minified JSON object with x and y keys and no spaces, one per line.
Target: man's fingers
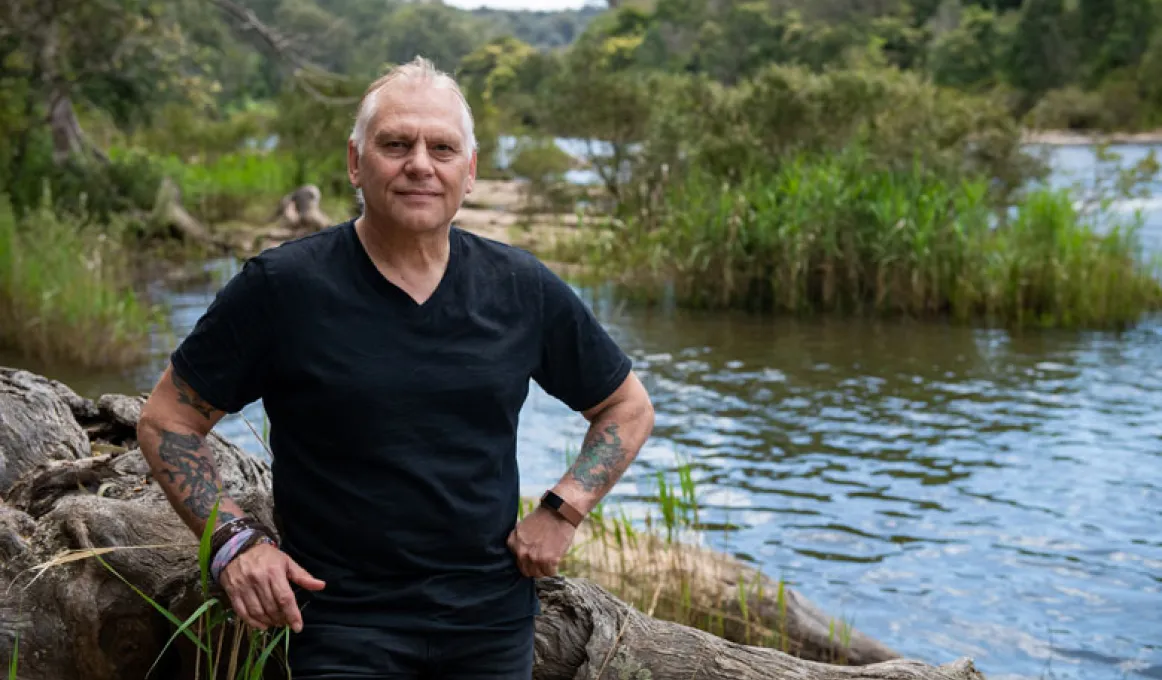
{"x":300,"y":576}
{"x":255,"y":610}
{"x":271,"y":604}
{"x":288,"y":607}
{"x":239,"y":604}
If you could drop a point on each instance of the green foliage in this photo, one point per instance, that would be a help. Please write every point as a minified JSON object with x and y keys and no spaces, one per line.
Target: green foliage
{"x":839,"y":232}
{"x":314,"y":132}
{"x":968,"y":56}
{"x":1041,"y":57}
{"x":65,"y":292}
{"x":542,"y":30}
{"x":543,"y":164}
{"x":433,"y":30}
{"x":897,"y":117}
{"x":1114,"y":33}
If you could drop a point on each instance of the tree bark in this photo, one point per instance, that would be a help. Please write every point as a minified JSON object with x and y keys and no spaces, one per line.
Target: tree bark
{"x":78,"y":621}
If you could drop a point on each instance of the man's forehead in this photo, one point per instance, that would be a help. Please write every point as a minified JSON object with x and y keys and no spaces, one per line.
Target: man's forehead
{"x":414,"y":109}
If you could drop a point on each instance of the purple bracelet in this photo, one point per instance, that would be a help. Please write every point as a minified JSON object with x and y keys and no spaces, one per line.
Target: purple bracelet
{"x":228,"y":552}
{"x":233,"y":548}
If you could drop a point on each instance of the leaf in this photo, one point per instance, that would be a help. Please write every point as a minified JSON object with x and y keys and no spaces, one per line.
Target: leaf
{"x":204,"y":555}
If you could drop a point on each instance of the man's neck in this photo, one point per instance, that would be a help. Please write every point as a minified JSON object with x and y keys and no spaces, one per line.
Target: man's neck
{"x":404,"y":252}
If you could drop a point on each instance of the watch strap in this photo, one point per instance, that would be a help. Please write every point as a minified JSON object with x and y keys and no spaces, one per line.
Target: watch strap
{"x":559,"y":505}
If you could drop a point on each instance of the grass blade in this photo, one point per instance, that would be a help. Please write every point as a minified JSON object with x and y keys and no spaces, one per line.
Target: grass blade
{"x":15,"y":658}
{"x":260,"y":665}
{"x":164,"y":612}
{"x":181,"y":629}
{"x":204,"y":555}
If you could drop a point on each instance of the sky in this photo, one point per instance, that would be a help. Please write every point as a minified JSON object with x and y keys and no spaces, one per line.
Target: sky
{"x":522,"y":4}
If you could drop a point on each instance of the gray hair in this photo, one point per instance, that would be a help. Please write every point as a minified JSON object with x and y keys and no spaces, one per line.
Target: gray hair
{"x":419,"y":70}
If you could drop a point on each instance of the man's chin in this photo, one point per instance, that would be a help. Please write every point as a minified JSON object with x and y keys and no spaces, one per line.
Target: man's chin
{"x":418,"y":221}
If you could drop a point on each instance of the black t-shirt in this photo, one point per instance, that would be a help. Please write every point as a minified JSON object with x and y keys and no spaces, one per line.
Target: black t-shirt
{"x":393,"y":424}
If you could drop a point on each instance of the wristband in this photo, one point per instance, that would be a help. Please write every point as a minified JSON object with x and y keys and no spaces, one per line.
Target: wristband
{"x":230,"y":529}
{"x":560,"y":506}
{"x":234,"y":547}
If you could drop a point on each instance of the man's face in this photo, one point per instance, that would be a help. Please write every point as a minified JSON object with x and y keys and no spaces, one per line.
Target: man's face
{"x":415,"y":168}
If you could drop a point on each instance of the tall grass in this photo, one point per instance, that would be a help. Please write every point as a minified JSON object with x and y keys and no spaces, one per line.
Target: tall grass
{"x":66,"y":293}
{"x":662,"y":566}
{"x":837,"y":233}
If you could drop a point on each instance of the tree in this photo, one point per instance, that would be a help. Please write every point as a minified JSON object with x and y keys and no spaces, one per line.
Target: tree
{"x":1040,"y":57}
{"x":1114,"y":34}
{"x":435,"y":31}
{"x":968,"y":56}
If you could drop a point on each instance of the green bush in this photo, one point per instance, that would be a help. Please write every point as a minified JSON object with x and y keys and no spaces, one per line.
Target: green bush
{"x":837,"y":232}
{"x":897,"y":118}
{"x":543,"y":164}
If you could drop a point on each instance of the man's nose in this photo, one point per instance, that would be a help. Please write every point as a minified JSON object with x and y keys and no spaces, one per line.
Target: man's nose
{"x":419,"y":162}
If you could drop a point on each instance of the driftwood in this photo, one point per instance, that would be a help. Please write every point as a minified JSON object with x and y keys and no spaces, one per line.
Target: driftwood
{"x":299,"y":211}
{"x":169,"y":213}
{"x":72,"y":478}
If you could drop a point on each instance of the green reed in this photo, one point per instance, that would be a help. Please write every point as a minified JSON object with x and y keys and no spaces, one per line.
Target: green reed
{"x":837,"y":233}
{"x":662,"y":565}
{"x":66,"y":293}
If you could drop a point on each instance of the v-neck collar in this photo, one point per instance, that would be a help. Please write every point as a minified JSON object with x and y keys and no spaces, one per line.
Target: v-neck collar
{"x":399,"y":298}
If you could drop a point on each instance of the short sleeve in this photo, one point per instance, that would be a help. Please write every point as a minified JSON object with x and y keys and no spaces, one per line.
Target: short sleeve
{"x":580,"y":363}
{"x":225,"y":357}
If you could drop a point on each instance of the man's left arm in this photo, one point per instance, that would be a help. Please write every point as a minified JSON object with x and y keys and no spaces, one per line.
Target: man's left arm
{"x":618,"y":428}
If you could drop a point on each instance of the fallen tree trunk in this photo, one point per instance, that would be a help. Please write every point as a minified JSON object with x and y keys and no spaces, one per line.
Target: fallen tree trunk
{"x":587,"y":633}
{"x":168,"y":213}
{"x":78,"y":621}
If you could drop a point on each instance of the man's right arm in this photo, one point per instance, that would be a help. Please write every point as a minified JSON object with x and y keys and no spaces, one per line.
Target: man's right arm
{"x":172,"y":434}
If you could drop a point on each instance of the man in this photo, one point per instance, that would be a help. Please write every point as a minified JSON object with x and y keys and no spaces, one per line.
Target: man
{"x":393,"y":354}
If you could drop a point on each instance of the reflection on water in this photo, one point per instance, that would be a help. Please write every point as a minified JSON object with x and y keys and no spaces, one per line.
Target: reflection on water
{"x":950,"y":491}
{"x":956,"y":491}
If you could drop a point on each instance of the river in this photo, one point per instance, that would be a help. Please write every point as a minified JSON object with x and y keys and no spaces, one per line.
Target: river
{"x":947,"y":490}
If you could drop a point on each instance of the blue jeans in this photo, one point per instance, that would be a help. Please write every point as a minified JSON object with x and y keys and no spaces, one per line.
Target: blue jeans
{"x":334,"y":652}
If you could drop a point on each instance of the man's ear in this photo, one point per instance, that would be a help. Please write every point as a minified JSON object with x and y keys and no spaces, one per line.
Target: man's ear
{"x":352,"y":163}
{"x":471,"y":174}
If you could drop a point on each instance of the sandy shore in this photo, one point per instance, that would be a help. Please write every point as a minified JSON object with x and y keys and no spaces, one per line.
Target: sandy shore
{"x":1075,"y":138}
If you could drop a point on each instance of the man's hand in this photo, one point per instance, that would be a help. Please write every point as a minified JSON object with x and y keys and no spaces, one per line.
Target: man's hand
{"x":258,"y":583}
{"x":539,"y":542}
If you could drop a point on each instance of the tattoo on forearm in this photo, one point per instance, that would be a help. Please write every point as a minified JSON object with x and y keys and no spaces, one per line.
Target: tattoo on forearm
{"x":190,"y":470}
{"x":187,"y":395}
{"x":597,"y":464}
